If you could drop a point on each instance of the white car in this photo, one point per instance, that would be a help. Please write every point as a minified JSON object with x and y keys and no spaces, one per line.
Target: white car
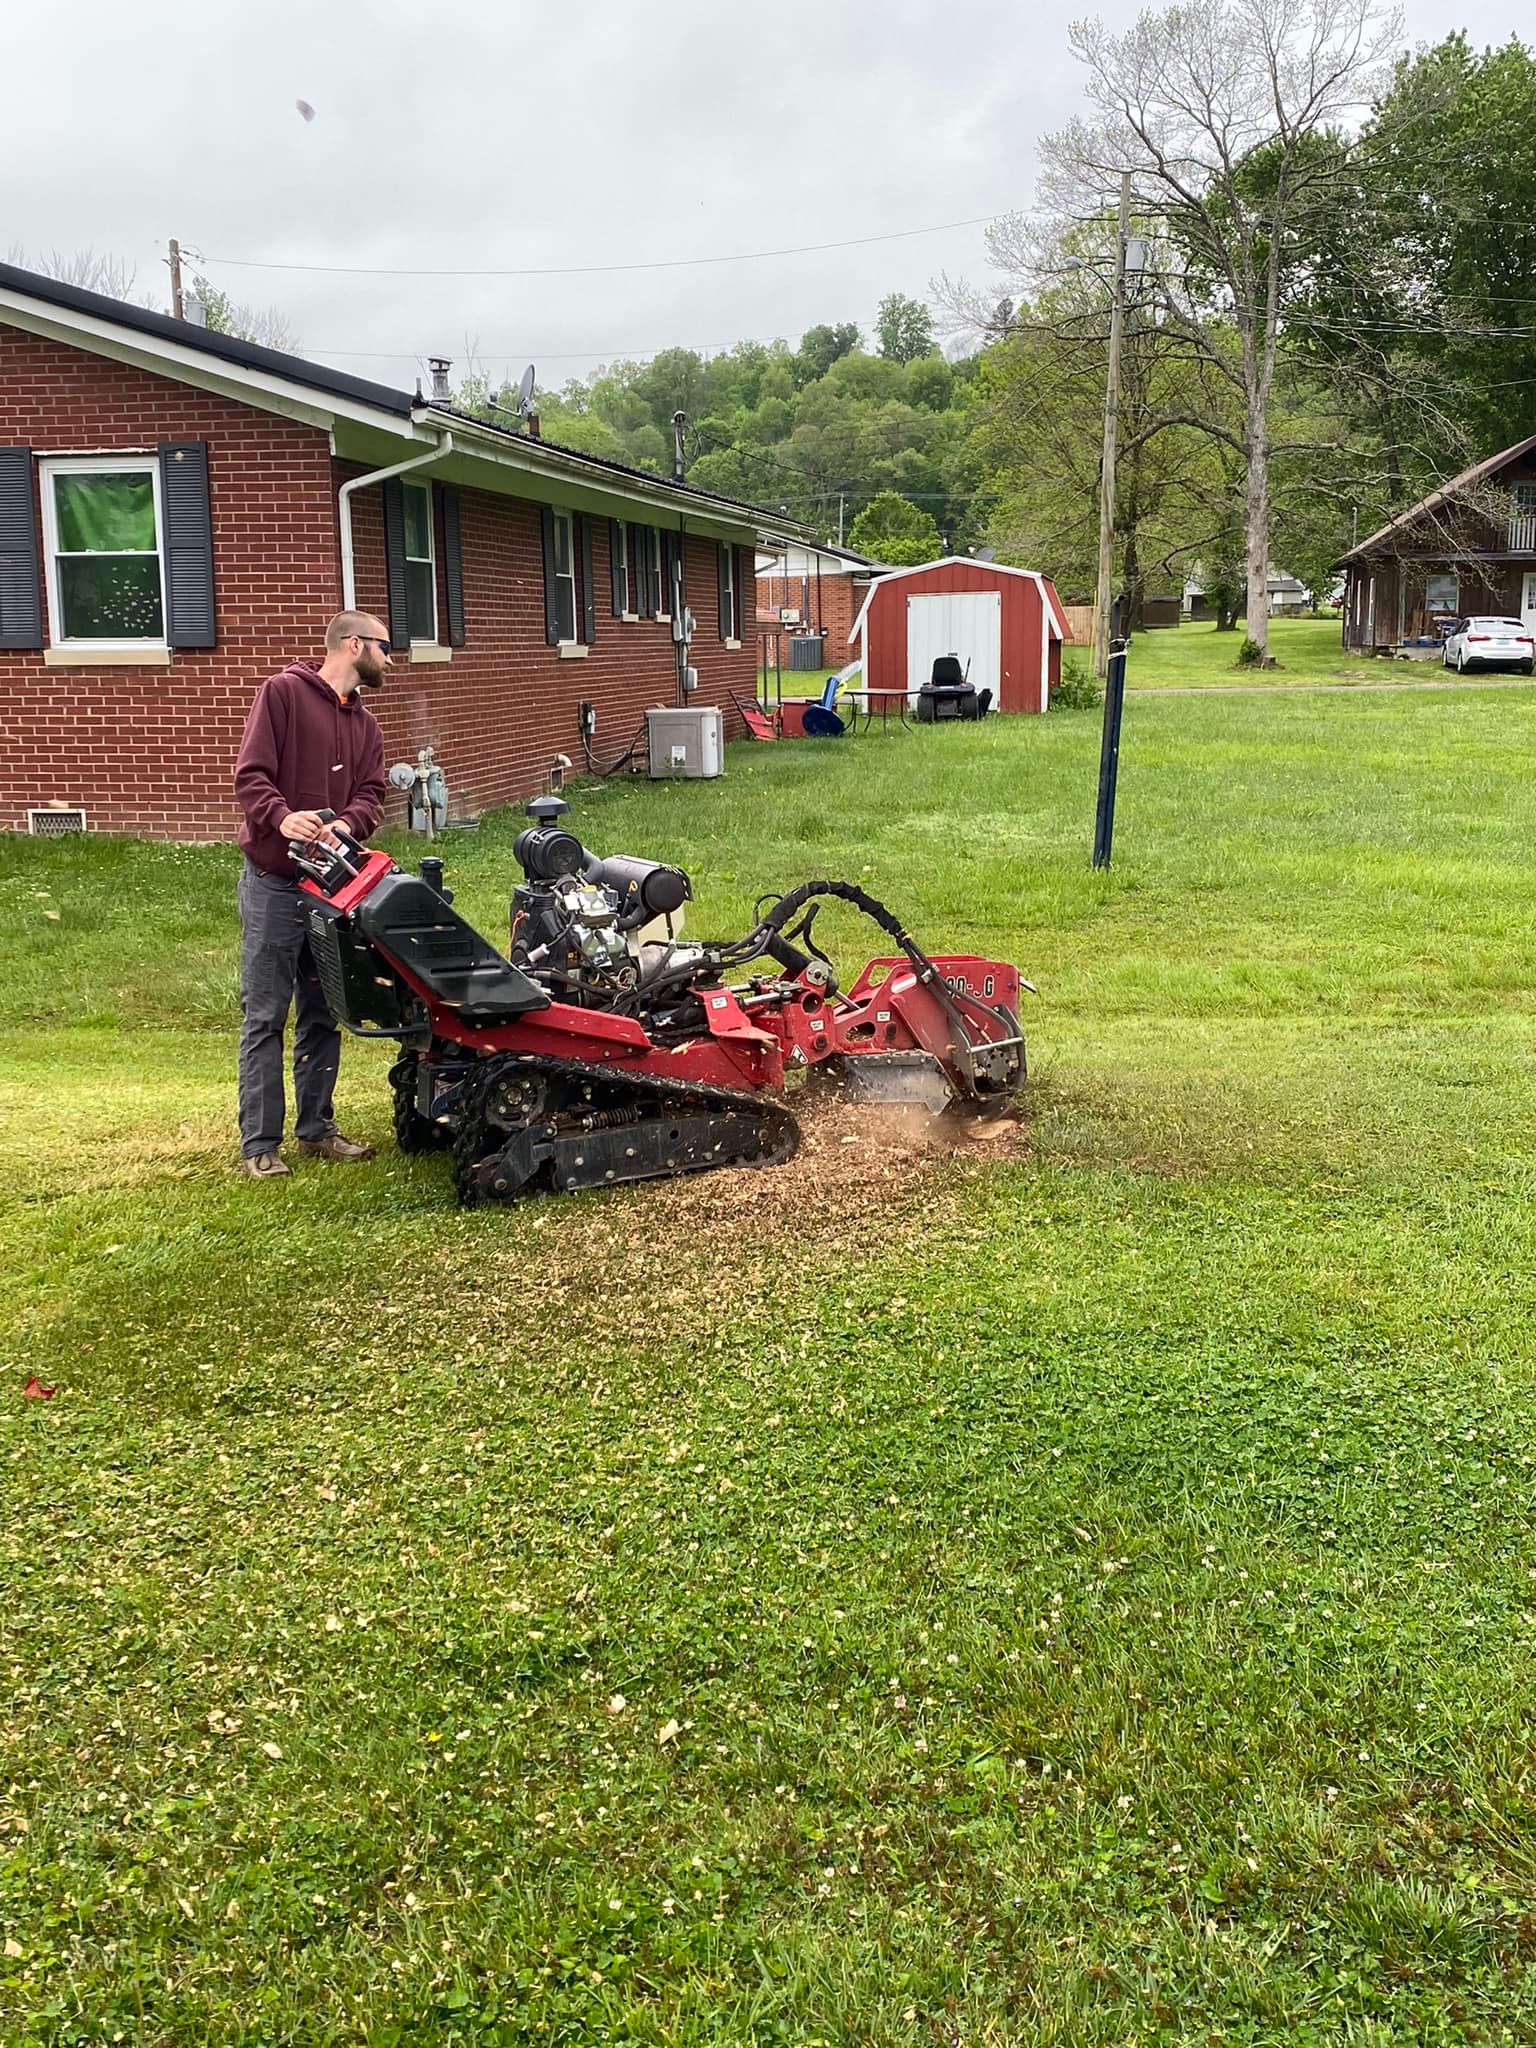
{"x":1490,"y":643}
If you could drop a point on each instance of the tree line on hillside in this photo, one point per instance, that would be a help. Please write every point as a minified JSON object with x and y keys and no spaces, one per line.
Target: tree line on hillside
{"x":870,"y":443}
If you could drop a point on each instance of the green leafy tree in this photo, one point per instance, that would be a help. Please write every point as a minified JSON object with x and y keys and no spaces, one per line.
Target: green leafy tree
{"x":905,"y":328}
{"x":930,"y":383}
{"x":892,"y":529}
{"x":821,"y":346}
{"x":1426,"y":295}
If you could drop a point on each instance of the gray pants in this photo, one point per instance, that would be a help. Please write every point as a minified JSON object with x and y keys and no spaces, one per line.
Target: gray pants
{"x":276,"y":969}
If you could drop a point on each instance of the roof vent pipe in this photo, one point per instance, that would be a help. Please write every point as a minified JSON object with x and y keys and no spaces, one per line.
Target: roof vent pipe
{"x":440,"y":366}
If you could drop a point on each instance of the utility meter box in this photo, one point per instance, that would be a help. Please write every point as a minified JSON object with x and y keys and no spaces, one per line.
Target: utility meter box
{"x":686,"y":740}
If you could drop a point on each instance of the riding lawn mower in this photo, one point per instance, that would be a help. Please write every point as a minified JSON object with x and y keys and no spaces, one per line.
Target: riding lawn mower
{"x":601,"y":1049}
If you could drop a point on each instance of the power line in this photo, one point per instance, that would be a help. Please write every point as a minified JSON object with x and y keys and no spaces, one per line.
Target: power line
{"x":604,"y":269}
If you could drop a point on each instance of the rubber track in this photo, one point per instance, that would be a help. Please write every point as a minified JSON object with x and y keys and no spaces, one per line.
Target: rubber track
{"x":470,"y":1145}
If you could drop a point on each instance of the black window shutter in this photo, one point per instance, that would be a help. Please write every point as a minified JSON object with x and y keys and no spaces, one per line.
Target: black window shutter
{"x":588,"y":601}
{"x":669,"y":556}
{"x":551,"y":603}
{"x":453,"y":561}
{"x":394,"y":563}
{"x":187,"y":543}
{"x":21,"y":595}
{"x":616,"y":567}
{"x":722,"y":571}
{"x":746,"y":579}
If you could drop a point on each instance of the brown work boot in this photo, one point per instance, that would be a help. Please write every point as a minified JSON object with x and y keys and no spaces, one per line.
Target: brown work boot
{"x":335,"y":1146}
{"x":263,"y":1166}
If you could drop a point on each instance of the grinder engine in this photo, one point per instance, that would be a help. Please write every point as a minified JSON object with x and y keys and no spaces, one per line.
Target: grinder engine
{"x":577,"y":919}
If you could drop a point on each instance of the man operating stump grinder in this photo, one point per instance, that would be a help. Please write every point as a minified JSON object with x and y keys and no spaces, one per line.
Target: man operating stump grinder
{"x":310,"y":746}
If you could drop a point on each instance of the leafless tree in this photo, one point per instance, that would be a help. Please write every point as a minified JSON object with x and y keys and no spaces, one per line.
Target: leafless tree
{"x":112,"y":276}
{"x":1226,"y":113}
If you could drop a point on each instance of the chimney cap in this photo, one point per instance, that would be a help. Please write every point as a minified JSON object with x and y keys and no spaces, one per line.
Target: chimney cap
{"x":440,"y":366}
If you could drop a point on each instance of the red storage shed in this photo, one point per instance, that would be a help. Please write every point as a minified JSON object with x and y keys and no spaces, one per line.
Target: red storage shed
{"x":1006,"y":625}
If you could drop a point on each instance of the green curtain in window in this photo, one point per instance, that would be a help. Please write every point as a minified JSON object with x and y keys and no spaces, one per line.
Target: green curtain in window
{"x":105,"y":514}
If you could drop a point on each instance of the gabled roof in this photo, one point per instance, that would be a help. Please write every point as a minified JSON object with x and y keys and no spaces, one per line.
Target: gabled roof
{"x":1042,"y":583}
{"x":1489,"y":467}
{"x":270,"y":376}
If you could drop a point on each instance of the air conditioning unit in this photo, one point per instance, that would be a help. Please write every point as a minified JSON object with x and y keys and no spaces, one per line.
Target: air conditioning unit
{"x":52,"y":821}
{"x":686,"y":740}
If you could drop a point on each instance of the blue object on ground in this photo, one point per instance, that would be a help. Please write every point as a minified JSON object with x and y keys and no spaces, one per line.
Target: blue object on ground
{"x":821,"y":724}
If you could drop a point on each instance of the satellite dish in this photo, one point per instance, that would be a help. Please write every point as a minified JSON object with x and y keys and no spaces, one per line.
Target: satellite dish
{"x":524,"y":390}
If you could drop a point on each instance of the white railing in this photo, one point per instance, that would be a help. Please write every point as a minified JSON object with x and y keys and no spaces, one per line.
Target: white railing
{"x":1522,"y":534}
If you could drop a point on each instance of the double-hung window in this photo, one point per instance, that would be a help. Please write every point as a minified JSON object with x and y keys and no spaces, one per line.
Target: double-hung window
{"x":102,"y":535}
{"x":730,"y":594}
{"x":565,"y":577}
{"x":420,"y":564}
{"x":618,"y":540}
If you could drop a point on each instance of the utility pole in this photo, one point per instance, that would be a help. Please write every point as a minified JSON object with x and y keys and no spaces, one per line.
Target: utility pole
{"x":841,"y":501}
{"x":1111,"y":422}
{"x":177,"y":307}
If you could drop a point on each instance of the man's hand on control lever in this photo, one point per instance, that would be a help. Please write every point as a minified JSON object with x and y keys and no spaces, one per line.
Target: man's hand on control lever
{"x":305,"y":827}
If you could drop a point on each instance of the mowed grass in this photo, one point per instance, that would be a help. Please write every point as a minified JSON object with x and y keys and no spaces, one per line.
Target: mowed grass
{"x":1195,"y":656}
{"x":1077,"y":1593}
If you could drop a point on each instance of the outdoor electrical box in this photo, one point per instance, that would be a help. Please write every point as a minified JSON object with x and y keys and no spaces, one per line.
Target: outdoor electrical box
{"x":685,"y":740}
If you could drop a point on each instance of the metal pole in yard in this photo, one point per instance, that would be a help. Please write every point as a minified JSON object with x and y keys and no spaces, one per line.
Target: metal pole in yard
{"x":177,"y":304}
{"x":1109,"y":756}
{"x":1101,"y":635}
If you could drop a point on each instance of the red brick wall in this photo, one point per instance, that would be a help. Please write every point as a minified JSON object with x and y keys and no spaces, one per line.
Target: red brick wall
{"x":500,"y":711}
{"x":836,"y":609}
{"x":152,"y":749}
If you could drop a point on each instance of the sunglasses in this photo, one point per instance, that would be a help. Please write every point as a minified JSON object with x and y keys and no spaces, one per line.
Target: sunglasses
{"x":371,"y":640}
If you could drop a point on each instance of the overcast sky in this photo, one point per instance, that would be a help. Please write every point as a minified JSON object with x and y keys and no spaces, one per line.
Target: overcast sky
{"x":490,"y":135}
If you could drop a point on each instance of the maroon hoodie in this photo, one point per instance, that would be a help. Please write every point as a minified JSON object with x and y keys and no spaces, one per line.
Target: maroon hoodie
{"x":306,"y":750}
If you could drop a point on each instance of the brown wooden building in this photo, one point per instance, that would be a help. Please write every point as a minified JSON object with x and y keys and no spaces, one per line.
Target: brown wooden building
{"x":1469,"y":547}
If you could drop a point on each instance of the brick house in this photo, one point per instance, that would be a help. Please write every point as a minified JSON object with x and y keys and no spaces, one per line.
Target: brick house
{"x":823,"y":586}
{"x":1468,"y":547}
{"x":180,"y":512}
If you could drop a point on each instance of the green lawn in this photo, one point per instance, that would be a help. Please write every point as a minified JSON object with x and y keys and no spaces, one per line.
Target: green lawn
{"x":1196,"y":656}
{"x":1081,"y":1591}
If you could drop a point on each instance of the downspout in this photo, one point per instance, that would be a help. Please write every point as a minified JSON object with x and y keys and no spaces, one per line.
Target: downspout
{"x":344,"y":511}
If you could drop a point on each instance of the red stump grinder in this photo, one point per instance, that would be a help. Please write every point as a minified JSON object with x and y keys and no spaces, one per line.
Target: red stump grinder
{"x":600,"y":1048}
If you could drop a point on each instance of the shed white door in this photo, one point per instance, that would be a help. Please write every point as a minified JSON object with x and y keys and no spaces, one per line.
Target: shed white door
{"x":968,"y":623}
{"x":1528,"y":600}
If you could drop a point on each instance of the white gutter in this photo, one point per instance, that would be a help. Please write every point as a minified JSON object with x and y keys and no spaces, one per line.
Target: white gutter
{"x":344,"y":511}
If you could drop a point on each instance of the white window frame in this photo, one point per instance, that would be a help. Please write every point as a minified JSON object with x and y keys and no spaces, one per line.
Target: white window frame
{"x":430,"y":557}
{"x":51,"y":466}
{"x":618,"y":542}
{"x":568,"y":521}
{"x":732,"y":622}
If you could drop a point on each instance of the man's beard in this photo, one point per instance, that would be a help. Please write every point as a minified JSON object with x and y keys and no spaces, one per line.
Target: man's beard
{"x":370,"y":678}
